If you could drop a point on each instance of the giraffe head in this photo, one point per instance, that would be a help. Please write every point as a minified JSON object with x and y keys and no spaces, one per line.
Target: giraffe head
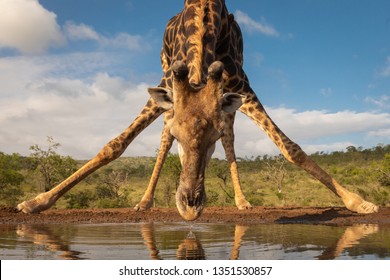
{"x":197,"y":125}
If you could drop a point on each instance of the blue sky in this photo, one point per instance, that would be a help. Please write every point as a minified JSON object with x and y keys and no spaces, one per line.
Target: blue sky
{"x":78,"y":71}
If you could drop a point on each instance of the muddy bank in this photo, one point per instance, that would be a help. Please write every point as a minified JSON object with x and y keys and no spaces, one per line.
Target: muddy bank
{"x":307,"y":215}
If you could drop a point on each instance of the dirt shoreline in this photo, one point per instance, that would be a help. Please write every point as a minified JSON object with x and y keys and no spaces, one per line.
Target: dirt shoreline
{"x":256,"y":215}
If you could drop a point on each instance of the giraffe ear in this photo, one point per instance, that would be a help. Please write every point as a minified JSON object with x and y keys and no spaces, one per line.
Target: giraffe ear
{"x":162,"y":96}
{"x":231,"y":102}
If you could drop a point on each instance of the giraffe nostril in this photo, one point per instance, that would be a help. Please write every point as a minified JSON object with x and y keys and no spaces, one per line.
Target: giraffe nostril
{"x":191,"y":202}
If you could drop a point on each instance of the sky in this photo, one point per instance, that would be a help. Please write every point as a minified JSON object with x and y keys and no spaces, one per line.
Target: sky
{"x":78,"y":71}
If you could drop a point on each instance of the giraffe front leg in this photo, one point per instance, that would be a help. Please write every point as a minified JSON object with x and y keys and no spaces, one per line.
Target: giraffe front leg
{"x":228,"y":144}
{"x":108,"y":153}
{"x":38,"y":204}
{"x":239,"y":233}
{"x":293,"y":153}
{"x":166,"y":144}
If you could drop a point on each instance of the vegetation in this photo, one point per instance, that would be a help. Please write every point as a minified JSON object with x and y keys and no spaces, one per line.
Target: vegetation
{"x":51,"y":168}
{"x":266,"y":180}
{"x":10,"y":177}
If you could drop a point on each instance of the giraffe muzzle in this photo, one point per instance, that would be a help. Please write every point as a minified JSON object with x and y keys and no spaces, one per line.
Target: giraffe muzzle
{"x":190,"y":204}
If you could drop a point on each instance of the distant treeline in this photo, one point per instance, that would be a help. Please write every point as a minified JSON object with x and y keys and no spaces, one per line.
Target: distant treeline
{"x":266,"y":180}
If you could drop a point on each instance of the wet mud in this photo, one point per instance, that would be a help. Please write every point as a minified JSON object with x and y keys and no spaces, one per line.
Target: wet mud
{"x":256,"y":215}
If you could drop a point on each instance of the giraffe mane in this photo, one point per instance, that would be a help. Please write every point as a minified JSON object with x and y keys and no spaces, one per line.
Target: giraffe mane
{"x":196,"y":31}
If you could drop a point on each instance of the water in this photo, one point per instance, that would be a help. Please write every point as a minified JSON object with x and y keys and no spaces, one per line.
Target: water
{"x":195,"y":241}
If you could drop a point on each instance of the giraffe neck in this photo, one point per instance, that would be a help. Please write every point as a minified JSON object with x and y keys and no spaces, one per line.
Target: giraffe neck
{"x":220,"y":39}
{"x":202,"y":24}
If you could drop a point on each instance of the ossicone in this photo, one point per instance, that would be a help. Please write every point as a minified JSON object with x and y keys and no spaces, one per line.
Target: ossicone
{"x":215,"y":70}
{"x":180,"y":70}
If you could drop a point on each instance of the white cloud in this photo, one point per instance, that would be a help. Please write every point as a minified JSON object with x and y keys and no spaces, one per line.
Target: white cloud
{"x":383,"y":102}
{"x":326,"y":92}
{"x":251,"y":25}
{"x":81,"y":113}
{"x":126,"y":41}
{"x":381,"y":133}
{"x":74,"y":99}
{"x":20,"y":74}
{"x":28,"y":27}
{"x":121,"y":40}
{"x":313,"y":131}
{"x":336,"y":146}
{"x":80,"y":32}
{"x":385,"y":72}
{"x":317,"y":124}
{"x":81,"y":122}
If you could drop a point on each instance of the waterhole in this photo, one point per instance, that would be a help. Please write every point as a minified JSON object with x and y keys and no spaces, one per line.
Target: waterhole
{"x":196,"y":241}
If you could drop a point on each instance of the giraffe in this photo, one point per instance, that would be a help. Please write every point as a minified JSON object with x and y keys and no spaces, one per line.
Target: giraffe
{"x":202,"y":87}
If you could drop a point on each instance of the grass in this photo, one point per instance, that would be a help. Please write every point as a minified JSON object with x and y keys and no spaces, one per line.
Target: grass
{"x":356,"y":171}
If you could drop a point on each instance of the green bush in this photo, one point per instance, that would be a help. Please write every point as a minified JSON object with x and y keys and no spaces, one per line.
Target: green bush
{"x":384,"y":170}
{"x":109,"y":203}
{"x":10,"y":178}
{"x":79,"y":200}
{"x":380,"y":197}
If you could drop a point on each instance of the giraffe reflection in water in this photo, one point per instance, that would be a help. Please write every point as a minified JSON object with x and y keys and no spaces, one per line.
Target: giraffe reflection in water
{"x":43,"y":235}
{"x":190,"y":248}
{"x":349,"y":239}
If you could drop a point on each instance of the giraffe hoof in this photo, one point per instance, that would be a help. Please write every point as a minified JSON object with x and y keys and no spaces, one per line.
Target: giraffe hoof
{"x":142,"y":206}
{"x":36,"y":205}
{"x":367,"y":208}
{"x":357,"y":204}
{"x":137,"y":208}
{"x":27,"y":207}
{"x":245,"y":207}
{"x":242,"y":204}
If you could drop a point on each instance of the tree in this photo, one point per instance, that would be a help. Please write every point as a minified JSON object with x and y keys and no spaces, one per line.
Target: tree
{"x":10,"y":178}
{"x":384,"y":170}
{"x":109,"y":190}
{"x":351,"y":149}
{"x":171,"y":172}
{"x":79,"y":200}
{"x":52,"y":167}
{"x":220,"y":169}
{"x":276,"y":171}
